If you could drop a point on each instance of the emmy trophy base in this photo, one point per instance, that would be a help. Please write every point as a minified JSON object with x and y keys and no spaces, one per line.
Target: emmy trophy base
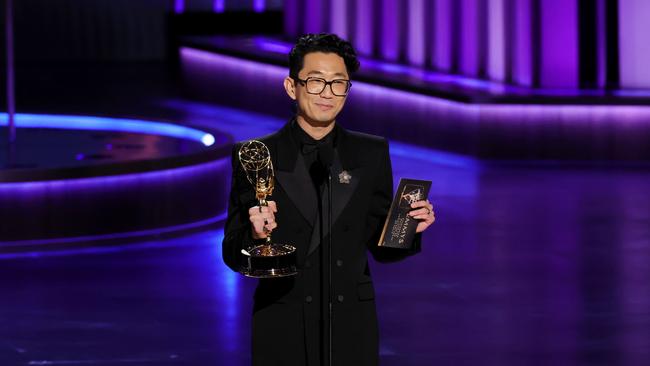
{"x":270,"y":261}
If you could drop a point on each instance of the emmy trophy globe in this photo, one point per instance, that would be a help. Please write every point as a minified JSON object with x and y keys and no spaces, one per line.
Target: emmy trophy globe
{"x":267,"y":260}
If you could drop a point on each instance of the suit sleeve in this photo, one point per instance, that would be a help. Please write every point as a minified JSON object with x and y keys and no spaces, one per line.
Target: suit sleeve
{"x":237,"y":232}
{"x":379,"y":206}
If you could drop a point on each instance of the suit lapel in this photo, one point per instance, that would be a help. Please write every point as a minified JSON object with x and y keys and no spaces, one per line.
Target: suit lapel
{"x":342,"y":192}
{"x":292,"y":175}
{"x":298,"y":186}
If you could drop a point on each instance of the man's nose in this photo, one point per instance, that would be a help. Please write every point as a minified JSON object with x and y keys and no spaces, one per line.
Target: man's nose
{"x":327,"y":92}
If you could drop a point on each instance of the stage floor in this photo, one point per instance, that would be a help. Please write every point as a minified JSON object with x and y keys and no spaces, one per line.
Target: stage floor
{"x":523,"y":266}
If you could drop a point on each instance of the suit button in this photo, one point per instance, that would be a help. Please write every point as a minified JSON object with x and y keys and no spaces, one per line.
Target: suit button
{"x":340,"y":298}
{"x":308,"y":299}
{"x":298,"y":231}
{"x":346,"y":228}
{"x":307,"y":264}
{"x":339,"y":263}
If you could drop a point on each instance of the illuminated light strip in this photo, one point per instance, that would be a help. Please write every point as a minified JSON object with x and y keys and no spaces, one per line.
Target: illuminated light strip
{"x":496,"y":40}
{"x":109,"y":249}
{"x":633,"y":43}
{"x":112,"y":236}
{"x":179,"y":6}
{"x":313,"y":16}
{"x":338,"y":18}
{"x":109,"y":124}
{"x":111,"y":180}
{"x":522,"y":63}
{"x":59,"y":188}
{"x":271,"y":45}
{"x":442,"y":44}
{"x":416,"y":32}
{"x":259,"y":6}
{"x":219,"y":6}
{"x":363,"y":26}
{"x":469,"y":37}
{"x":390,"y":30}
{"x":559,"y":65}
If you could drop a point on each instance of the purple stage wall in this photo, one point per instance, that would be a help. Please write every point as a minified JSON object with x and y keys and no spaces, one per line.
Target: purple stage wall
{"x":525,"y":42}
{"x":493,"y":131}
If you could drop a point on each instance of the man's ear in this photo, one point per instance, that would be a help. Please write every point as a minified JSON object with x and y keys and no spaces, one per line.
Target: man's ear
{"x":290,"y":87}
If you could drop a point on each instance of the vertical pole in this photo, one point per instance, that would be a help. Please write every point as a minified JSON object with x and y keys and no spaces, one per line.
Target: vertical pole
{"x":11,"y":97}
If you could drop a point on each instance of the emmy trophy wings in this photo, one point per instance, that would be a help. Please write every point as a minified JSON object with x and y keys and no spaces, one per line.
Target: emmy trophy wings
{"x":254,"y":155}
{"x":255,"y":159}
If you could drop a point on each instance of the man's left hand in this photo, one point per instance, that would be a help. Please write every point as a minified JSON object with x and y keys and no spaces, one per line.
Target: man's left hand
{"x":423,"y":211}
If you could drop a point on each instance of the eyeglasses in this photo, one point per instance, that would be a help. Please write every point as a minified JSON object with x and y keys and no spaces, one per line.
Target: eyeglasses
{"x":339,"y":87}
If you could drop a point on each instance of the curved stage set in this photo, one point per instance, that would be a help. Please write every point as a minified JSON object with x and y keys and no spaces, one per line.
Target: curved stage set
{"x":532,"y":124}
{"x":75,"y":179}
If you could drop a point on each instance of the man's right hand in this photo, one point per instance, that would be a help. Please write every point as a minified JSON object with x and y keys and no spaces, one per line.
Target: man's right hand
{"x":262,"y":219}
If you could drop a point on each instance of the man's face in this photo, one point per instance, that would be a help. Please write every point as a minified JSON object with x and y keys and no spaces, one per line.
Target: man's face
{"x":318,"y":109}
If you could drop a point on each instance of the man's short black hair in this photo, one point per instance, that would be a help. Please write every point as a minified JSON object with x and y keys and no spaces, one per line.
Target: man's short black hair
{"x":322,"y":42}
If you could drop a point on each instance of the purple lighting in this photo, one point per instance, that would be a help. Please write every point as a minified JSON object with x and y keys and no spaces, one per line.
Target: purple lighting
{"x":339,"y":18}
{"x":109,"y":124}
{"x":11,"y":87}
{"x":363,"y":27}
{"x":496,"y":36}
{"x":559,"y":44}
{"x":291,"y":17}
{"x":259,"y":6}
{"x":390,"y":34}
{"x":634,"y":28}
{"x":434,"y":120}
{"x":416,"y":32}
{"x":272,"y":45}
{"x":442,"y":44}
{"x":179,"y":6}
{"x":131,"y":234}
{"x":469,"y":38}
{"x":313,"y":16}
{"x":522,"y":56}
{"x":601,"y":44}
{"x":219,"y":6}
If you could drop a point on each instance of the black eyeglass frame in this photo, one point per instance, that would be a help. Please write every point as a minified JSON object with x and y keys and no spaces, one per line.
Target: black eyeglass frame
{"x":326,"y":83}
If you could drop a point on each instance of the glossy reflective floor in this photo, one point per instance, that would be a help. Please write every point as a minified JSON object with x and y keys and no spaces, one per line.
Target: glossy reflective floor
{"x":523,"y":267}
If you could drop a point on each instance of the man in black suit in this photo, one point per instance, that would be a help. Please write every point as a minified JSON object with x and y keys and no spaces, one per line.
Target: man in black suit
{"x":291,"y":314}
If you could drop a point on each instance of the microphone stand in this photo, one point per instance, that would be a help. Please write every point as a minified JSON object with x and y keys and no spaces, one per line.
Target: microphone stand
{"x":326,"y":157}
{"x":329,"y":258}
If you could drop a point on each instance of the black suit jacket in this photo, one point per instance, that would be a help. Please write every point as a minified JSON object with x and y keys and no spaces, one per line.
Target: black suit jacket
{"x":290,"y":314}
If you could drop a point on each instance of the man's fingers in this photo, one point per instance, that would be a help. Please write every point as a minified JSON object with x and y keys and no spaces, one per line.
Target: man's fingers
{"x":420,"y":212}
{"x":265,"y":218}
{"x":272,"y":207}
{"x":267,"y":228}
{"x":417,"y":204}
{"x":256,"y":210}
{"x":263,"y":224}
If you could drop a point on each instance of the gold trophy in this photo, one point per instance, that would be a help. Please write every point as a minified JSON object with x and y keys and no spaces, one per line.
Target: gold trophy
{"x":268,"y":260}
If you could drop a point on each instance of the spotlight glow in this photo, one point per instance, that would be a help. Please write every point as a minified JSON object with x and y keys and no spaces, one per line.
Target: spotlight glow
{"x":109,"y":124}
